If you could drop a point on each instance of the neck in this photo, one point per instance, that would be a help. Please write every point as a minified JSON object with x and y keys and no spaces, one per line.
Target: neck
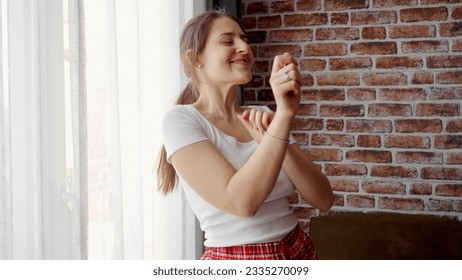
{"x":221,"y":103}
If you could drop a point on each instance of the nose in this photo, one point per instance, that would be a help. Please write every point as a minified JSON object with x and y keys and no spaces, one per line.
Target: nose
{"x":243,"y":47}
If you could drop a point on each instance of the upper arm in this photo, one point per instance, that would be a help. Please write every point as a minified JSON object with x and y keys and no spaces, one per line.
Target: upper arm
{"x":206,"y":170}
{"x":195,"y":158}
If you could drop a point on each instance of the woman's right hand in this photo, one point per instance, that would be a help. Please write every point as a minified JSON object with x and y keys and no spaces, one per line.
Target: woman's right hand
{"x":285,"y":83}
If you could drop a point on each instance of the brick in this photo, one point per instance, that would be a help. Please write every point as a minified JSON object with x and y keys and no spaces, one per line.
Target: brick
{"x":282,"y":7}
{"x":337,"y":64}
{"x":341,"y":110}
{"x":408,"y":204}
{"x":449,"y":61}
{"x":249,"y":95}
{"x":425,"y":46}
{"x":256,"y":37}
{"x":340,"y":140}
{"x":384,"y":187}
{"x":394,"y":172}
{"x":301,"y":138}
{"x":361,"y":201}
{"x":421,"y":189}
{"x":307,"y":124}
{"x":445,"y":205}
{"x":270,"y":51}
{"x":454,"y":158}
{"x":388,"y":110}
{"x":374,"y":33}
{"x":249,"y":22}
{"x":339,"y":18}
{"x":345,"y":169}
{"x":265,"y":95}
{"x":421,"y":78}
{"x":304,"y":212}
{"x":393,"y":3}
{"x":269,"y":22}
{"x":454,"y":126}
{"x":449,"y":77}
{"x":385,"y":79}
{"x":451,"y":29}
{"x":457,"y":45}
{"x":419,"y":157}
{"x":334,"y":125}
{"x":326,"y":154}
{"x":257,"y":81}
{"x":369,"y":156}
{"x":439,"y":2}
{"x":442,"y":110}
{"x":369,"y":126}
{"x":308,"y":5}
{"x":325,"y":49}
{"x":374,"y":17}
{"x":407,"y":142}
{"x":374,"y":48}
{"x":362,"y":94}
{"x":307,"y":110}
{"x":313,"y":64}
{"x":437,"y":93}
{"x":261,"y":66}
{"x":448,"y":141}
{"x":398,"y":62}
{"x":339,"y":200}
{"x":305,"y":19}
{"x":418,"y":126}
{"x":456,"y":13}
{"x":412,"y":31}
{"x":369,"y":141}
{"x":345,"y":185}
{"x":257,"y":8}
{"x":424,"y":14}
{"x":402,"y":94}
{"x":342,"y":79}
{"x":323,"y":94}
{"x":449,"y":190}
{"x":306,"y":80}
{"x":333,"y":5}
{"x":441,"y":173}
{"x":294,"y":35}
{"x":345,"y":33}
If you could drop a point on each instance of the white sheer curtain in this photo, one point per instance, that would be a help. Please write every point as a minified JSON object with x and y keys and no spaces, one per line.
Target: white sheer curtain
{"x":78,"y":139}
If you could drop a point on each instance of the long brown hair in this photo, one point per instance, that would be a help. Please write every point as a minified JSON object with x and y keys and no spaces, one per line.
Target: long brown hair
{"x":192,"y":42}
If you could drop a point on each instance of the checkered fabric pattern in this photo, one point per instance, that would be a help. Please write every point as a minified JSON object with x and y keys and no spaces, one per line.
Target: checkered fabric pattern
{"x":296,"y":245}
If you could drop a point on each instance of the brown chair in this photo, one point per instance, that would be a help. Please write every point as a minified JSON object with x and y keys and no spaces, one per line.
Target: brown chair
{"x":386,"y":236}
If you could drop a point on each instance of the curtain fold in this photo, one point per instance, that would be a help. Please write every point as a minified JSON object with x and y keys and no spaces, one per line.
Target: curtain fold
{"x":76,"y":169}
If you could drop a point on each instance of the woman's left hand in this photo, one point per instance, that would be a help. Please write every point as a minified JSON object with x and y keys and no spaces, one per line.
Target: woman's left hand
{"x":256,"y":122}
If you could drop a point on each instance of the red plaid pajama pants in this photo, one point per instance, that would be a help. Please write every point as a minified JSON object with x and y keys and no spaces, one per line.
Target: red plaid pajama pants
{"x":296,"y":245}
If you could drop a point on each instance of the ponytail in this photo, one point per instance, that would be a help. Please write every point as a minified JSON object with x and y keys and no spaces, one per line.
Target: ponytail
{"x":192,"y":42}
{"x":166,"y":174}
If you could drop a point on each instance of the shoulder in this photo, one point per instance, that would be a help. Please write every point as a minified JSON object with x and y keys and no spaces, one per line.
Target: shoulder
{"x":180,"y":114}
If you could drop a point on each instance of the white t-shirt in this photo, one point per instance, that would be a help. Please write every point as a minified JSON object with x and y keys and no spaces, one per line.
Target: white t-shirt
{"x":183,"y":125}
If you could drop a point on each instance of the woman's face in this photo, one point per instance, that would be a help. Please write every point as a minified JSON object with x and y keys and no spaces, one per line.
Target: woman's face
{"x":227,"y":58}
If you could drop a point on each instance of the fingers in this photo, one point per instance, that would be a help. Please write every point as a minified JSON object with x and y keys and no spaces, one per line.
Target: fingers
{"x":280,"y":61}
{"x":256,"y":121}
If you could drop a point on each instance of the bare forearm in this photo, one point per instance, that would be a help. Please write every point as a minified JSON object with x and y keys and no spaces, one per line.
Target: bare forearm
{"x":310,"y":182}
{"x":254,"y":181}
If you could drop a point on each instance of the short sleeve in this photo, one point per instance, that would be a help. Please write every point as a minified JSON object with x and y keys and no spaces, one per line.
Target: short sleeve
{"x":181,"y":128}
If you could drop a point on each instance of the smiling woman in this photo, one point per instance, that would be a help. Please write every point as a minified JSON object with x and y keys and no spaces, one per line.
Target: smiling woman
{"x":235,"y":163}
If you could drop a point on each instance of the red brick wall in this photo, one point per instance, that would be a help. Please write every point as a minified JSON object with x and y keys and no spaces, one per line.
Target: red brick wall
{"x":381,"y":101}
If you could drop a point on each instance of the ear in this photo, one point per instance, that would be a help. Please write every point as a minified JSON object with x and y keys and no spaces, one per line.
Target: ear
{"x":193,"y":62}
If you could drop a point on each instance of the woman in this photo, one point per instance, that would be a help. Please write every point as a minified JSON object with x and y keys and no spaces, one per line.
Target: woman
{"x":236,"y":164}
